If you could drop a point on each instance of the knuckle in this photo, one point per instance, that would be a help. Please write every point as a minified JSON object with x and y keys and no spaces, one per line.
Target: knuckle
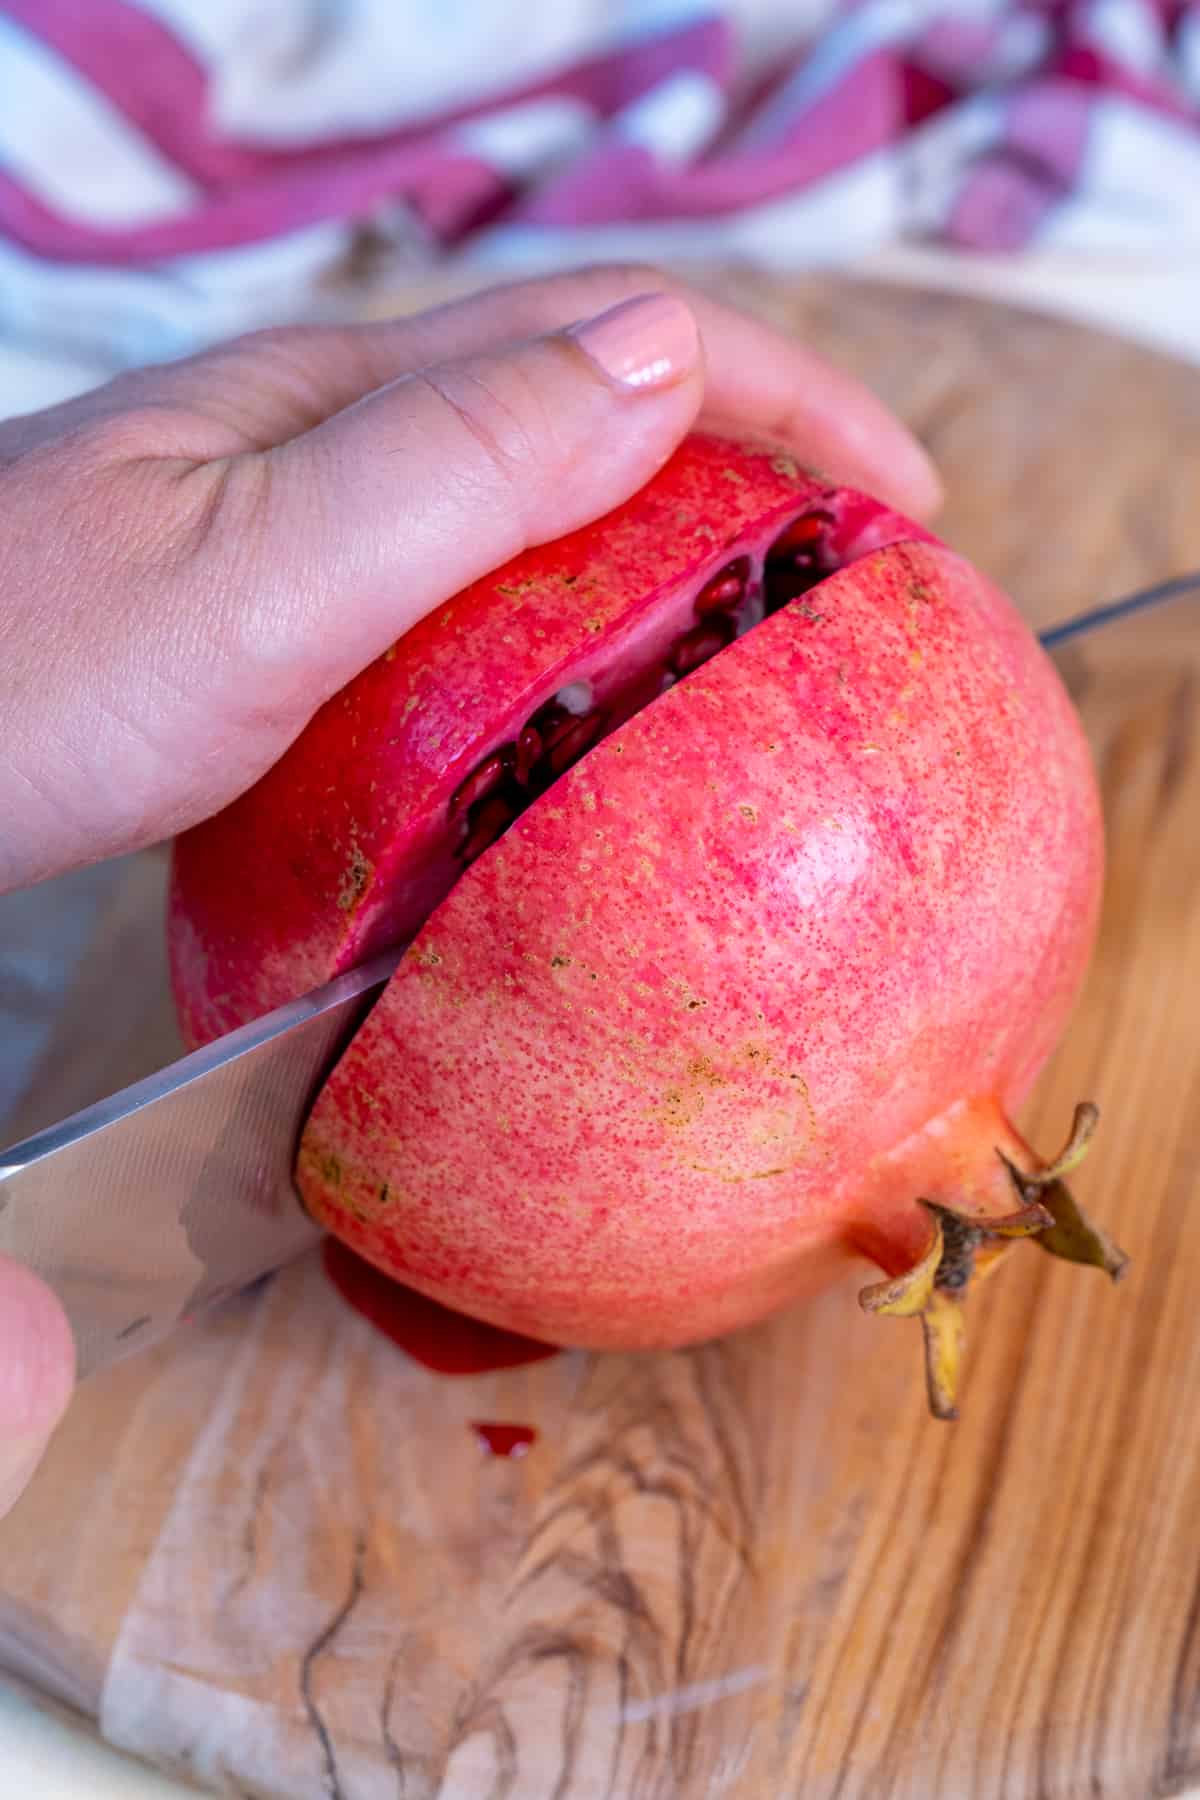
{"x":250,"y":623}
{"x":504,"y":419}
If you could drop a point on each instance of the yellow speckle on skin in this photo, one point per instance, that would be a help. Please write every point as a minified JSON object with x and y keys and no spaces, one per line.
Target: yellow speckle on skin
{"x":749,"y":813}
{"x":702,"y":1068}
{"x":678,"y":1110}
{"x":355,"y":880}
{"x":729,"y":1180}
{"x":786,"y":465}
{"x":807,"y":1099}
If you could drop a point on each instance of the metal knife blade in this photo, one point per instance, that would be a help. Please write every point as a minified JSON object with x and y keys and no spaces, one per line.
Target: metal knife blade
{"x":1113,"y":611}
{"x":146,"y":1207}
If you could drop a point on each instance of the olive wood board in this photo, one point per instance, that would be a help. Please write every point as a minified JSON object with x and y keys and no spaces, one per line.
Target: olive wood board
{"x":271,"y":1555}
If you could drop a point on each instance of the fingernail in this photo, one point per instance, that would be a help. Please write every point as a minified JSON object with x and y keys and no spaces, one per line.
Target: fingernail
{"x":645,"y":343}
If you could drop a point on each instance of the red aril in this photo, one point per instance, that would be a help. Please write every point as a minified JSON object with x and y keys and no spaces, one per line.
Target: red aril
{"x":750,"y":854}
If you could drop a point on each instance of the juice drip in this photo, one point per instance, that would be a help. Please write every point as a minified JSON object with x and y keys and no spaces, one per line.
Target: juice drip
{"x":437,"y":1337}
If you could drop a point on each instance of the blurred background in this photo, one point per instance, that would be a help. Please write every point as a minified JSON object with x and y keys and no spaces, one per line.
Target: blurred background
{"x":174,"y":171}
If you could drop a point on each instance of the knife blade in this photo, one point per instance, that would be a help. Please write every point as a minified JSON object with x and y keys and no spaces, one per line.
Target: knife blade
{"x":145,"y":1208}
{"x":149,"y":1206}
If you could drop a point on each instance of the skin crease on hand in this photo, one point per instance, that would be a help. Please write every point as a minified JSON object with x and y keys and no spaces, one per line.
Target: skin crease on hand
{"x":197,"y":556}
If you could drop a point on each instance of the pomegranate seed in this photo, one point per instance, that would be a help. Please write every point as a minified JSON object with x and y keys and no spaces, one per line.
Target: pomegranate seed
{"x":489,"y":819}
{"x":802,"y":537}
{"x":483,"y":780}
{"x":696,"y":647}
{"x":798,"y":559}
{"x":529,"y":748}
{"x":727,"y":589}
{"x":570,"y":745}
{"x":550,"y":721}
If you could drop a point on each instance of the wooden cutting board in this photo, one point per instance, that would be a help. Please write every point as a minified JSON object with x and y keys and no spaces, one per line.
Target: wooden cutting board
{"x":273,"y":1556}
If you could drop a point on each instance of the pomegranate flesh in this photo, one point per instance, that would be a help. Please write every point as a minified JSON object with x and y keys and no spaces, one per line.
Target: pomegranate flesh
{"x":748,"y":852}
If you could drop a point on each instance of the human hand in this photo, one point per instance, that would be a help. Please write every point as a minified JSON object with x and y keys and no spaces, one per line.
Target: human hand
{"x":197,"y":556}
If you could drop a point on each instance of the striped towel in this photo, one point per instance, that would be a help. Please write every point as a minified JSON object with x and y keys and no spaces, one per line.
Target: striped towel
{"x":174,"y":170}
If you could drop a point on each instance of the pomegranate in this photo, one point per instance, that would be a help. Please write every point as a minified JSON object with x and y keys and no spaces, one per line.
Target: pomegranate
{"x":749,"y":853}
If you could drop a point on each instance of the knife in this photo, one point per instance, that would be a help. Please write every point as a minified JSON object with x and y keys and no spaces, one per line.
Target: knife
{"x":145,"y":1208}
{"x":148,"y":1207}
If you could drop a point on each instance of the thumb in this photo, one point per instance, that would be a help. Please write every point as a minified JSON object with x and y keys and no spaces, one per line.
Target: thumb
{"x":380,"y":513}
{"x":37,"y":1370}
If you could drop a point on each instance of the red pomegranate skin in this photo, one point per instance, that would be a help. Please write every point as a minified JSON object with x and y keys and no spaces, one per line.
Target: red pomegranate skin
{"x":342,"y":850}
{"x":775,"y":959}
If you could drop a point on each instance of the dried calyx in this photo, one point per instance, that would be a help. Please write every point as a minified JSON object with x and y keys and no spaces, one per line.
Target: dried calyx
{"x":965,"y":1247}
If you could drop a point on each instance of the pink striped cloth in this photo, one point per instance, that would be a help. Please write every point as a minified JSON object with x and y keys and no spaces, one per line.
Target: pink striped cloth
{"x":171,"y":170}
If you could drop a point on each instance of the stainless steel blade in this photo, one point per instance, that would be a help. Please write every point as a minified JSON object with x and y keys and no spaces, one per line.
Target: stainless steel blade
{"x":146,"y":1207}
{"x":1084,"y":624}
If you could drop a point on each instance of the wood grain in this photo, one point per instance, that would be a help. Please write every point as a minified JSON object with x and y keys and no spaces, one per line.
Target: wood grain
{"x":756,"y":1568}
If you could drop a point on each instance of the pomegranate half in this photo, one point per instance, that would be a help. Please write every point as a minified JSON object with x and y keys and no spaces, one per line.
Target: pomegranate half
{"x":749,"y":852}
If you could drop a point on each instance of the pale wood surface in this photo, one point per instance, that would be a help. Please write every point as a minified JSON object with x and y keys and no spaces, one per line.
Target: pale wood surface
{"x":754,"y":1569}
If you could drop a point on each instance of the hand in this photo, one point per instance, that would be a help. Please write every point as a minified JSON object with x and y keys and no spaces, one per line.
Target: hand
{"x":197,"y":556}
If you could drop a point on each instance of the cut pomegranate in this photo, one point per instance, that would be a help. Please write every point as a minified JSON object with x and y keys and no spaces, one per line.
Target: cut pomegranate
{"x":773,"y":912}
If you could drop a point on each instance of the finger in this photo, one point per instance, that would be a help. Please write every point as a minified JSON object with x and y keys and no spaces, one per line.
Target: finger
{"x":37,"y":1371}
{"x":268,"y":387}
{"x":434,"y":480}
{"x":759,"y":380}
